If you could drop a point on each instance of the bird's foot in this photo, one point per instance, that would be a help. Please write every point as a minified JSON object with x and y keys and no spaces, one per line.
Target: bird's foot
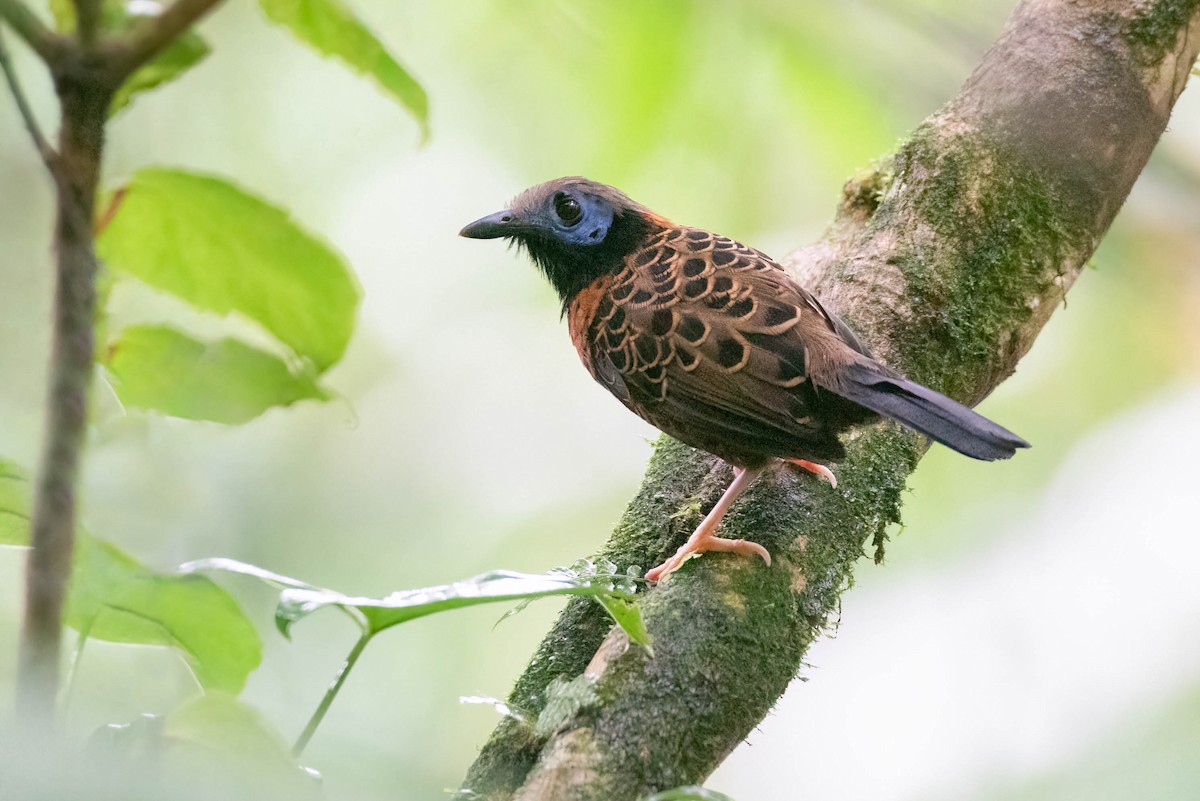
{"x":704,"y":538}
{"x":698,"y":545}
{"x":820,"y":470}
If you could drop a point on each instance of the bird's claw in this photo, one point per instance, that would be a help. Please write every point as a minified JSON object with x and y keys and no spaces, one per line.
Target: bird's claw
{"x":819,"y":470}
{"x":699,"y":546}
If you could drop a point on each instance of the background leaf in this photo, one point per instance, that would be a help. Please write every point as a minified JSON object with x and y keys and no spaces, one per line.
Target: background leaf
{"x":221,"y":722}
{"x":181,"y":55}
{"x":114,"y":597}
{"x":405,"y":605}
{"x":332,"y":29}
{"x":269,"y":577}
{"x":246,"y":569}
{"x":229,"y":747}
{"x":628,"y":616}
{"x":141,"y":737}
{"x":226,"y":381}
{"x":223,"y":250}
{"x":14,"y":504}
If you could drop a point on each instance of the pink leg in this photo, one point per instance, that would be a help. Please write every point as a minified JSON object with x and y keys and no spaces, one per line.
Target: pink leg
{"x":705,"y":538}
{"x":819,"y":469}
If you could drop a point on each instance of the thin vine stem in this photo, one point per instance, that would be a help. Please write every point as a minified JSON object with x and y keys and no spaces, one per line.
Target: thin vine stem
{"x":44,"y":148}
{"x":68,"y":692}
{"x":47,"y":44}
{"x":330,"y":694}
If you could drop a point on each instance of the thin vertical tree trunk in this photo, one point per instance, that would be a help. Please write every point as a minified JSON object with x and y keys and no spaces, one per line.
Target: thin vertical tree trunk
{"x":84,"y":95}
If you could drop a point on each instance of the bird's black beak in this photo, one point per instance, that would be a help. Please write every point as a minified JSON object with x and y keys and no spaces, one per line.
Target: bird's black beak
{"x":492,"y":226}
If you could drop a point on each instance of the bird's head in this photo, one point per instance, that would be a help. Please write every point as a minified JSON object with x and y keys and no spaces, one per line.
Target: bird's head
{"x":574,"y":229}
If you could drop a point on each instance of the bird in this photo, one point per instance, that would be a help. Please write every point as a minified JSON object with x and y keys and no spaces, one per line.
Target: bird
{"x":714,"y":343}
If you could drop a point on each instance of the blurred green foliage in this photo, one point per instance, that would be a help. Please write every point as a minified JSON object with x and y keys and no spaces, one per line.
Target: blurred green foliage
{"x":1154,"y":757}
{"x":224,"y":251}
{"x":332,"y":29}
{"x":159,"y":368}
{"x":115,"y":598}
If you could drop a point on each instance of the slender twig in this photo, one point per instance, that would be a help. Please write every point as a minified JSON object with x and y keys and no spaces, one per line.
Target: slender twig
{"x":155,"y":34}
{"x":47,"y":152}
{"x":85,"y":96}
{"x":41,"y":40}
{"x":87,"y":22}
{"x":330,"y":694}
{"x":73,"y":667}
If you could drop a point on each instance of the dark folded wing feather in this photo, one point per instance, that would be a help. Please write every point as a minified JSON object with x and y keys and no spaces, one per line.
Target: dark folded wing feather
{"x":701,"y":336}
{"x":712,"y":342}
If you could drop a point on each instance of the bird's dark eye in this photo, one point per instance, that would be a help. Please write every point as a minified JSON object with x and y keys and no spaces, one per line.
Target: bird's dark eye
{"x":567,"y":209}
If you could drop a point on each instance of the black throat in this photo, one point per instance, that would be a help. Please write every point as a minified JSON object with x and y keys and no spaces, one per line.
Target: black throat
{"x":572,"y":268}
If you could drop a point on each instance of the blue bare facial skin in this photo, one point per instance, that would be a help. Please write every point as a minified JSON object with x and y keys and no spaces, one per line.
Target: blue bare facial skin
{"x":574,"y":230}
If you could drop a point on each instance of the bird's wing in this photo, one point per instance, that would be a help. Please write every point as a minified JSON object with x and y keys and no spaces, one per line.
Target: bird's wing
{"x":702,"y":333}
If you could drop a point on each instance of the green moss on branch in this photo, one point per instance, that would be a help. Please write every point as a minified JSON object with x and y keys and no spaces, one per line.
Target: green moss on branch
{"x":987,"y":237}
{"x":1153,"y":29}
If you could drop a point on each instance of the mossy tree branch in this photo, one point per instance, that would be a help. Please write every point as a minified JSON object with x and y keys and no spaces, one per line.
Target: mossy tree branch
{"x":948,"y":261}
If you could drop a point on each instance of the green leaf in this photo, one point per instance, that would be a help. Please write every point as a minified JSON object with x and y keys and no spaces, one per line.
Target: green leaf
{"x":225,"y":746}
{"x":139,"y":738}
{"x":181,"y":55}
{"x":277,"y":580}
{"x":689,"y":793}
{"x":516,"y":610}
{"x":628,"y":616}
{"x":332,"y":30}
{"x":226,"y":565}
{"x":14,"y":504}
{"x":223,"y":723}
{"x":493,"y":587}
{"x":119,"y":17}
{"x":624,"y":612}
{"x":501,"y":707}
{"x":227,"y":381}
{"x":114,"y":597}
{"x":223,"y":250}
{"x":615,"y":591}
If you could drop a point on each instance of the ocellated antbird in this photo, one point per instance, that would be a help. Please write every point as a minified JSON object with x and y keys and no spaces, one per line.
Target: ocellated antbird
{"x":712,"y":342}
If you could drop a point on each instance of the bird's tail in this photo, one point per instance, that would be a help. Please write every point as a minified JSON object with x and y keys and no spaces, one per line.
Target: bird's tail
{"x":930,"y":413}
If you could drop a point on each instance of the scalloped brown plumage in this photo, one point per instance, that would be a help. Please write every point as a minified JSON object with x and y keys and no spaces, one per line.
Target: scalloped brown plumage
{"x":712,"y":342}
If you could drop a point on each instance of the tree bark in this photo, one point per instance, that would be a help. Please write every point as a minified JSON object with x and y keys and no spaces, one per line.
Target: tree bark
{"x":84,"y":91}
{"x":947,"y":261}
